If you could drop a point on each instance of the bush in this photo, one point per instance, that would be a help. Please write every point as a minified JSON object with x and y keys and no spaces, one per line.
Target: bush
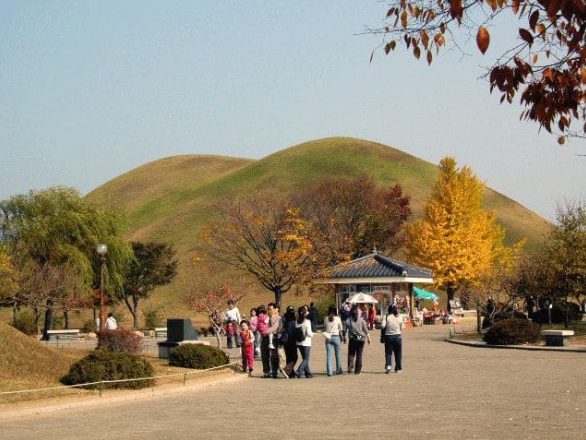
{"x":508,"y":314}
{"x":557,"y":314}
{"x":152,"y":318}
{"x":24,"y":322}
{"x":120,"y":340}
{"x":88,"y":326}
{"x":512,"y":332}
{"x":103,"y":365}
{"x":197,"y":356}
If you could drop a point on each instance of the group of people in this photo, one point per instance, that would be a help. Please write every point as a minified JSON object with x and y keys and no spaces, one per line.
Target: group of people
{"x":283,"y":341}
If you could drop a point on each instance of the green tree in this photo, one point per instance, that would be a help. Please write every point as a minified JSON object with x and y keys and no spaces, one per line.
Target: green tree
{"x":565,"y":254}
{"x":457,"y":238}
{"x":57,"y":227}
{"x":154,"y":265}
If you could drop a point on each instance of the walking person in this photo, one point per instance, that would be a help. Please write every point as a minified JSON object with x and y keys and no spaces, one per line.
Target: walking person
{"x":253,"y":325}
{"x":357,"y":334}
{"x":247,"y":348}
{"x":391,"y":329}
{"x":269,"y":353}
{"x":303,"y":335}
{"x":233,"y":315}
{"x":289,"y":345}
{"x":313,"y":316}
{"x":333,"y":335}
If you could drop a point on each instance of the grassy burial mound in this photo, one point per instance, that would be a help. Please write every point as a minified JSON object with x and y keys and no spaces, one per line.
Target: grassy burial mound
{"x":170,"y":200}
{"x":26,"y":363}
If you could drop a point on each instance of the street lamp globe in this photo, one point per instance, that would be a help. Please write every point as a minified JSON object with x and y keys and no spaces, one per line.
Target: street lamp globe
{"x":102,"y":249}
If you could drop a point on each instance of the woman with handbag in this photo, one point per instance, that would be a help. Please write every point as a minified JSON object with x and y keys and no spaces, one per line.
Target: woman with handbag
{"x":333,"y":335}
{"x":303,"y":335}
{"x":358,"y":335}
{"x":391,"y":336}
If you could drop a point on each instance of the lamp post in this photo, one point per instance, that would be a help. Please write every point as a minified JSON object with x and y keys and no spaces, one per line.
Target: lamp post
{"x":102,"y":251}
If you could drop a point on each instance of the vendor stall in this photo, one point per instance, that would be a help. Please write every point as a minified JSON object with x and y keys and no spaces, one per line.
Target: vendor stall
{"x":387,"y":280}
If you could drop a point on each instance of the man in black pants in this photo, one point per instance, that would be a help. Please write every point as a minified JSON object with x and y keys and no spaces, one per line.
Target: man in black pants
{"x":269,"y":353}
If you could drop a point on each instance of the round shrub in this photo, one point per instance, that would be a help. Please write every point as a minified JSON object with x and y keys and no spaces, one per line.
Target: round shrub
{"x":105,"y":365}
{"x":512,"y":332}
{"x":197,"y":356}
{"x":120,"y":340}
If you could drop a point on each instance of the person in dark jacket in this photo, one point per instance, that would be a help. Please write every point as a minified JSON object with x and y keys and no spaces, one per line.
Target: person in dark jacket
{"x":313,"y":316}
{"x":290,"y":346}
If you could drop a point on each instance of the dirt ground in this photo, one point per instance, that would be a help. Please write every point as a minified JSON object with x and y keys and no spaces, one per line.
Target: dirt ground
{"x":446,"y":391}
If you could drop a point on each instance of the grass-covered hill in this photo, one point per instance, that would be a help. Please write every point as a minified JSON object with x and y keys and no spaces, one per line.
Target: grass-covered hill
{"x":26,"y":363}
{"x":169,"y":200}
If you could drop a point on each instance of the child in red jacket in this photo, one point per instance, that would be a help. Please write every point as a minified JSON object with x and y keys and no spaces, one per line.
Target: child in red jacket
{"x":247,"y":348}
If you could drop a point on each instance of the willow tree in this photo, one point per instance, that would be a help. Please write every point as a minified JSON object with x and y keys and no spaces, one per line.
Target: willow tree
{"x":265,"y":238}
{"x":457,"y":238}
{"x":57,"y":227}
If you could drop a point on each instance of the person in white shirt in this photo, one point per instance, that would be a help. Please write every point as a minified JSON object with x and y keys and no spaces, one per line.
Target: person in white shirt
{"x":333,"y":334}
{"x":111,"y":323}
{"x":303,"y":327}
{"x":233,"y":315}
{"x":391,"y":331}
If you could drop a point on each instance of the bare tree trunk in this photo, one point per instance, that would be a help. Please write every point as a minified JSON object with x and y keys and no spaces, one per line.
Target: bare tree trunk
{"x":278,"y":295}
{"x":66,"y":318}
{"x":135,"y":300}
{"x":478,"y":321}
{"x":451,"y":291}
{"x":48,"y":319}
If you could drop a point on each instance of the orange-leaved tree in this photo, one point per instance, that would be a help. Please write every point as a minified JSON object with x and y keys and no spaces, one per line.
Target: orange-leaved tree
{"x":457,"y":238}
{"x":545,"y":62}
{"x":266,"y":238}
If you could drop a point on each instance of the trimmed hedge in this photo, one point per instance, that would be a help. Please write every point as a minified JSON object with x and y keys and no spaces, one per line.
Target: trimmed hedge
{"x":120,"y":340}
{"x":512,"y":331}
{"x":197,"y":356}
{"x":108,"y":365}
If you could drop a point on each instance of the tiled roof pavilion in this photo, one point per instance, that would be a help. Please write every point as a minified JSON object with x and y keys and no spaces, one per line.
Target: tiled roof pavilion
{"x":376,"y":268}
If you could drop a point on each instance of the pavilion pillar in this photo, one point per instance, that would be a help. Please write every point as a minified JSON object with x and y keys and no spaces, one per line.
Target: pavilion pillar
{"x":410,"y":288}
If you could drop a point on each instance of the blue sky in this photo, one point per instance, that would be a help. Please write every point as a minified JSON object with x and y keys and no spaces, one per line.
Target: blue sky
{"x":90,"y":90}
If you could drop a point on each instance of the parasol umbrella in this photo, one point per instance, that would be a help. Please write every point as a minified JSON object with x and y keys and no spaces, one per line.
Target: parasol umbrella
{"x":424,"y":294}
{"x":362,"y":298}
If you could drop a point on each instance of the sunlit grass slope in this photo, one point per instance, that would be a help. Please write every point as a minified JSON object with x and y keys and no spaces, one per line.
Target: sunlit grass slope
{"x":26,"y":363}
{"x":170,"y":199}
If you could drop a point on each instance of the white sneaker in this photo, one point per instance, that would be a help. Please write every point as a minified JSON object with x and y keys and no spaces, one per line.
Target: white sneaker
{"x":398,"y":371}
{"x":271,"y":346}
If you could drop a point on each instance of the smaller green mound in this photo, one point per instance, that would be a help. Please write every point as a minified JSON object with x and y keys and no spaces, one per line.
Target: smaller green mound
{"x":108,"y":365}
{"x":513,"y":331}
{"x":200,"y":357}
{"x":28,"y":363}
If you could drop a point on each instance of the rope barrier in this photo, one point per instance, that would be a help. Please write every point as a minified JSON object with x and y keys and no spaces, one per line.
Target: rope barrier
{"x":61,"y":387}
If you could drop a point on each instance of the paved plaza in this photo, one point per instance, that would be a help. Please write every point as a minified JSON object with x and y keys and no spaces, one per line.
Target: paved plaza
{"x":446,"y":391}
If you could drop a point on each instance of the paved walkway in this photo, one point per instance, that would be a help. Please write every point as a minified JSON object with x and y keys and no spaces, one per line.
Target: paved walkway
{"x":447,"y":391}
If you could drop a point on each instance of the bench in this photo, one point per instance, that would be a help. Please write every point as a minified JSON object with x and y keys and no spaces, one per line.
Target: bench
{"x":557,"y":338}
{"x":161,"y":333}
{"x":56,"y":335}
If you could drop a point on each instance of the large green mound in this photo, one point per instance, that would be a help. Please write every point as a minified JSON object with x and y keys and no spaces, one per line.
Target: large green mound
{"x":27,"y":363}
{"x":170,"y":199}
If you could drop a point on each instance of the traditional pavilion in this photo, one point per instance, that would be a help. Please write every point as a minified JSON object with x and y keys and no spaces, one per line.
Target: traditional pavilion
{"x":386,"y":279}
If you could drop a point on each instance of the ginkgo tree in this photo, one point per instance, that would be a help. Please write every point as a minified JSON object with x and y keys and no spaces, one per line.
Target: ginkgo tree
{"x":456,"y":238}
{"x":545,"y":61}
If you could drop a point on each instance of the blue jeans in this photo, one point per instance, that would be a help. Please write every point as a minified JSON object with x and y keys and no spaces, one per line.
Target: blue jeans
{"x":393,"y":345}
{"x":304,"y":366}
{"x":334,"y":343}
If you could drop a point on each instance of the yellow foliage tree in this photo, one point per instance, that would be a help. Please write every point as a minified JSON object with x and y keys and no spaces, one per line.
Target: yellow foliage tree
{"x":265,"y":238}
{"x":8,"y":275}
{"x":457,"y":238}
